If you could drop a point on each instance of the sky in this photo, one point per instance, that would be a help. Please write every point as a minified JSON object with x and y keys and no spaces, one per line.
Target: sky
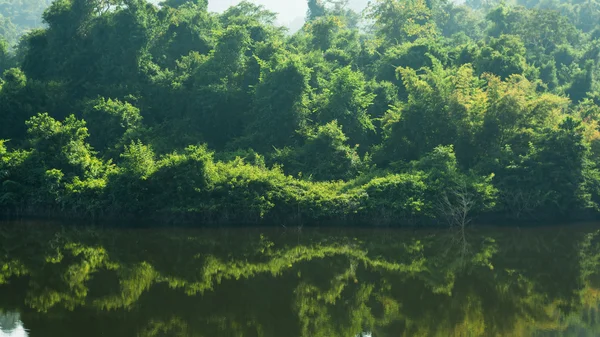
{"x":289,"y":10}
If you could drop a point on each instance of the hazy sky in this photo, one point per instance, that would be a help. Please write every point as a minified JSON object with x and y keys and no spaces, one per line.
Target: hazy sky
{"x":288,"y":10}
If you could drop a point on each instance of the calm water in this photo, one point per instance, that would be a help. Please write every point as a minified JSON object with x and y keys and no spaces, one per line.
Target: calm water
{"x":61,"y":282}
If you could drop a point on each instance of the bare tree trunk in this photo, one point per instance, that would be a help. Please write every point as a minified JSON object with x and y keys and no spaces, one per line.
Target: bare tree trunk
{"x":455,"y":206}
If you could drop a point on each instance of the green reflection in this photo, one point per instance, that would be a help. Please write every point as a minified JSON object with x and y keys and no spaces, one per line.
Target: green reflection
{"x":536,"y":282}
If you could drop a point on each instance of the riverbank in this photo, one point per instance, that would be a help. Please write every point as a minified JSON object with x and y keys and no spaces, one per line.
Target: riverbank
{"x":152,"y":220}
{"x":194,"y":187}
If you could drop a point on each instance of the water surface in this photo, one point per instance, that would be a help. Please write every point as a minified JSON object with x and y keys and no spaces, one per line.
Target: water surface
{"x":58,"y":281}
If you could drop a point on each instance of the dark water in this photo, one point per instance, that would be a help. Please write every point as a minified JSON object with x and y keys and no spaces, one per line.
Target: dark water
{"x":61,"y":282}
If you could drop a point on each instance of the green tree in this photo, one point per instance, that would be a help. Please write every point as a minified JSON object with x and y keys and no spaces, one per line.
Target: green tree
{"x":315,"y":10}
{"x":203,"y":4}
{"x":346,"y":100}
{"x":548,"y":75}
{"x":583,"y":82}
{"x":503,"y":56}
{"x":111,"y":123}
{"x":280,"y":104}
{"x":14,"y":108}
{"x":548,"y":180}
{"x":442,"y":109}
{"x":397,"y":21}
{"x":62,"y":145}
{"x":325,"y":155}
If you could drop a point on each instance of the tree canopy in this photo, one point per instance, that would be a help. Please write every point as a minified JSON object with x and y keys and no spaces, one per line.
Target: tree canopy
{"x":229,"y":116}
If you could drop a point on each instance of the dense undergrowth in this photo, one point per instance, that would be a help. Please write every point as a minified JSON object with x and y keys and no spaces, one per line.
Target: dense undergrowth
{"x":421,"y":112}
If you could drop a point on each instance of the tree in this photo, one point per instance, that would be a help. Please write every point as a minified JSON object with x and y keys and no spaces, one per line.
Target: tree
{"x":279,"y":103}
{"x":202,"y":4}
{"x":14,"y":113}
{"x":455,"y":196}
{"x":315,"y":10}
{"x":325,"y":155}
{"x":6,"y":59}
{"x":19,"y":17}
{"x":583,"y":82}
{"x":503,"y":56}
{"x":8,"y":31}
{"x":548,"y":180}
{"x":62,"y":145}
{"x":346,"y":100}
{"x":398,"y":21}
{"x":540,"y":30}
{"x":460,"y":19}
{"x":409,"y":55}
{"x":427,"y":99}
{"x":189,"y":28}
{"x":324,"y":31}
{"x":441,"y":110}
{"x":548,"y":75}
{"x":112,"y":123}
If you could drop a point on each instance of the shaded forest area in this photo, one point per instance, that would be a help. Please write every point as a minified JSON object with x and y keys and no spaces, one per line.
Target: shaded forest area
{"x":412,"y":112}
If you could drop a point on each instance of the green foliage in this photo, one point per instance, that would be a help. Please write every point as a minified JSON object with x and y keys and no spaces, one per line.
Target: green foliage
{"x":548,"y":75}
{"x":14,"y":111}
{"x":59,"y":162}
{"x":203,"y":4}
{"x":443,"y":108}
{"x":400,"y":196}
{"x":503,"y":56}
{"x":346,"y":100}
{"x":550,"y":178}
{"x":409,"y":55}
{"x":461,"y":19}
{"x":397,"y":22}
{"x":325,"y":155}
{"x":280,"y":103}
{"x":6,"y":57}
{"x":62,"y":145}
{"x":583,"y":82}
{"x":315,"y":10}
{"x":444,"y":178}
{"x":181,"y":177}
{"x":111,"y":121}
{"x":418,"y":103}
{"x":138,"y":160}
{"x":8,"y":31}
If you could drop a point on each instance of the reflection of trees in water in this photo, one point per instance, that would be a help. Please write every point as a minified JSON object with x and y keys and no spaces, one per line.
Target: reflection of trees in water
{"x":507,"y":283}
{"x":9,"y":321}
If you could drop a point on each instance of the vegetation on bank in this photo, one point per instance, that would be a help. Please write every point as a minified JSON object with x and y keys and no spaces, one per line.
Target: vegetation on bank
{"x":418,"y":112}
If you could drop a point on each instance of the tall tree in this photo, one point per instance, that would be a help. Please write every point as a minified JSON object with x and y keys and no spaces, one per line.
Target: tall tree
{"x":315,"y":10}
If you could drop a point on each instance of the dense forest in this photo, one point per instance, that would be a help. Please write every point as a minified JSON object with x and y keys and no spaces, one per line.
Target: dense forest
{"x":411,"y":112}
{"x":73,"y":282}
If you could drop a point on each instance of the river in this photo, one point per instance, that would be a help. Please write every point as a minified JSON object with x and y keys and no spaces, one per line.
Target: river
{"x":62,"y":281}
